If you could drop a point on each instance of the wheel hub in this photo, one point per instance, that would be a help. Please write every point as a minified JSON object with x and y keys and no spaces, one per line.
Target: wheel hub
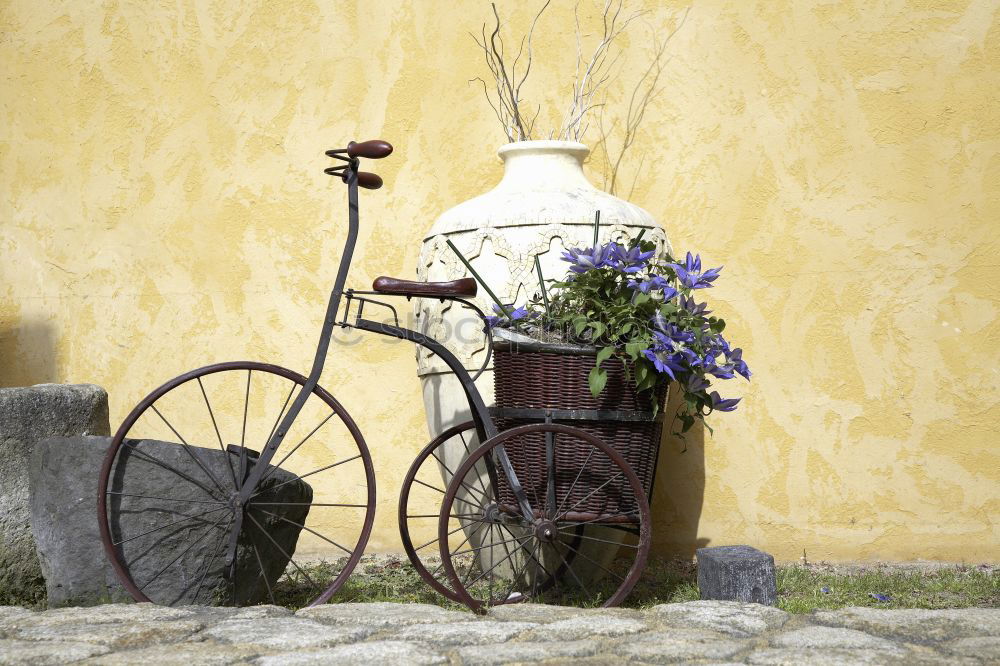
{"x":545,"y":530}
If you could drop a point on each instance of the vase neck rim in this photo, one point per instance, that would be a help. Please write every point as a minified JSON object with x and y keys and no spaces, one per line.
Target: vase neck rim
{"x":546,"y":147}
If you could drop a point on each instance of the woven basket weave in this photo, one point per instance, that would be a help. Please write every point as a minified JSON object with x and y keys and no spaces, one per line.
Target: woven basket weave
{"x":555,"y":377}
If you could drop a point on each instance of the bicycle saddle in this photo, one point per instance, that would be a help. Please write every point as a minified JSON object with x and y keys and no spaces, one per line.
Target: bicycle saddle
{"x":397,"y":287}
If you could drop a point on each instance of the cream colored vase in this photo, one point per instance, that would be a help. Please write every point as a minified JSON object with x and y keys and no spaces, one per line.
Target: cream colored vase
{"x":543,"y":205}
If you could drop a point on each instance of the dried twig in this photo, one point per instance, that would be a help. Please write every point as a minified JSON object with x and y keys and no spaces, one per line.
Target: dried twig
{"x":506,"y":100}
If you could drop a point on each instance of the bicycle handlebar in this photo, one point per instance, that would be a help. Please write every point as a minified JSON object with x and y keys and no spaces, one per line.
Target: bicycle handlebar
{"x":375,"y":149}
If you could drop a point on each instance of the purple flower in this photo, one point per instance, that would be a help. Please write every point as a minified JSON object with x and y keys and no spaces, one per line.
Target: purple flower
{"x":880,"y":597}
{"x":514,"y":314}
{"x":663,"y":362}
{"x":687,"y":302}
{"x":588,"y":259}
{"x":690,"y":274}
{"x":630,"y":260}
{"x":668,"y":331}
{"x":654,"y":283}
{"x":735,"y":359}
{"x":721,"y":404}
{"x":697,"y":383}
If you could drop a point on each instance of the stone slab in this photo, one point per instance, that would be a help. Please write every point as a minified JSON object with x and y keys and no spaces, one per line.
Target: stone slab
{"x":56,"y":653}
{"x":915,"y":624}
{"x":587,"y":626}
{"x":836,"y":638}
{"x":361,"y":654}
{"x":524,"y":652}
{"x":64,"y":475}
{"x":674,"y":646}
{"x":283,"y":633}
{"x":27,"y":416}
{"x":737,"y":573}
{"x":732,"y":618}
{"x":464,"y":633}
{"x":383,"y":614}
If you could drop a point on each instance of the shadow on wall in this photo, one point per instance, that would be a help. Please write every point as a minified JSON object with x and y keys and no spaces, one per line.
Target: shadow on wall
{"x":679,"y":490}
{"x":27,"y":354}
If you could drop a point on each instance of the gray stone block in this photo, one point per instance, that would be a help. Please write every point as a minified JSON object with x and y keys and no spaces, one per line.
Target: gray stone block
{"x":27,"y":416}
{"x":64,"y":475}
{"x":737,"y":573}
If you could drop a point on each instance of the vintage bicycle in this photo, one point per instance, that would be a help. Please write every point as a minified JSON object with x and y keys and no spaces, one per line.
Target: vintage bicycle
{"x":234,"y":482}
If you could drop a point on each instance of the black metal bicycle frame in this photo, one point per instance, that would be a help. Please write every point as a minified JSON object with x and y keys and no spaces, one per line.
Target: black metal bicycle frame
{"x":485,"y":427}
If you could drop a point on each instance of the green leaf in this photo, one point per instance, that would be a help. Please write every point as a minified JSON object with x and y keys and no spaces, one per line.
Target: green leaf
{"x":718,"y":325}
{"x":579,"y":324}
{"x":604,"y":354}
{"x":598,"y":329}
{"x":641,"y":298}
{"x":597,"y":379}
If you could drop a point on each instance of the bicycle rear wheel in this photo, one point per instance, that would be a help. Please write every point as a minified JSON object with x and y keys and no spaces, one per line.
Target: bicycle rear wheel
{"x":169,"y":488}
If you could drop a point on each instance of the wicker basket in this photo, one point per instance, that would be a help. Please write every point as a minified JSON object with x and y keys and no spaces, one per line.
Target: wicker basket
{"x":538,"y":376}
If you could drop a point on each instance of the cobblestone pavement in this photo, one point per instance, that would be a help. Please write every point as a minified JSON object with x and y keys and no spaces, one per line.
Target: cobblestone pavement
{"x":711,"y":632}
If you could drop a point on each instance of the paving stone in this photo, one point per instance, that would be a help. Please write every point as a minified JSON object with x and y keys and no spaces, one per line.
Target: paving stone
{"x":835,"y":637}
{"x":917,"y":624}
{"x":361,"y":654}
{"x":117,"y":636}
{"x":734,"y":618}
{"x":586,"y":626}
{"x":206,"y":653}
{"x":31,"y":653}
{"x":661,"y":646}
{"x":383,"y":614}
{"x":985,"y":647}
{"x":284,"y":633}
{"x":514,"y":653}
{"x":12,"y":617}
{"x":824,"y":657}
{"x":464,"y":633}
{"x":111,"y":613}
{"x":257,"y":612}
{"x":540,"y":613}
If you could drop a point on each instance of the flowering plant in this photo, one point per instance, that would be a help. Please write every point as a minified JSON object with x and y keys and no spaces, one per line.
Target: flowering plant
{"x":642,"y":311}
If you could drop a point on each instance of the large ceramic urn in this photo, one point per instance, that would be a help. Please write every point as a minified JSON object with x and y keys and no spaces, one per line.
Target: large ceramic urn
{"x":542,"y":205}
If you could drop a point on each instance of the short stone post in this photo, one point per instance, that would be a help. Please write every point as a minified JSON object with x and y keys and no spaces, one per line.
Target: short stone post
{"x":737,"y":573}
{"x":27,"y":416}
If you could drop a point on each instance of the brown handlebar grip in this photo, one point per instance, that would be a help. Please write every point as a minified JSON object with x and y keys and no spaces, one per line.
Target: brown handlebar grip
{"x":369,"y":181}
{"x":373,"y":150}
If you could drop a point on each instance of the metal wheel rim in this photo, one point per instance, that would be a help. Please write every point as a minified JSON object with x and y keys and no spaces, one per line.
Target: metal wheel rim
{"x":102,"y":510}
{"x":635,"y":571}
{"x":404,"y":492}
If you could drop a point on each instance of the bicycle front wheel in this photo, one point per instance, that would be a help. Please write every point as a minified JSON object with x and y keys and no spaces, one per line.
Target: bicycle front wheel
{"x":169,"y":492}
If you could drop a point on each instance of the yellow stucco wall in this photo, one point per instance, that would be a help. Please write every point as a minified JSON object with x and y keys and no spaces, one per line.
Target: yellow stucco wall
{"x":162,"y":207}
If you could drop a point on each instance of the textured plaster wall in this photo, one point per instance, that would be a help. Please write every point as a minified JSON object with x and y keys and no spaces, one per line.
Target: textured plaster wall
{"x":162,"y":207}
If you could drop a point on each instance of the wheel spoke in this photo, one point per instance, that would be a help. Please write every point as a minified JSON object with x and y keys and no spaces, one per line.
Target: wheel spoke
{"x":473,"y":491}
{"x":280,"y":549}
{"x":495,"y":565}
{"x":588,"y":495}
{"x":569,"y":493}
{"x":134,"y":448}
{"x":613,"y":543}
{"x":162,"y":527}
{"x":598,"y":519}
{"x":215,"y":554}
{"x":280,"y":414}
{"x":469,"y":453}
{"x":349,"y":506}
{"x":215,"y":425}
{"x":310,"y":530}
{"x":569,"y":567}
{"x":288,"y":455}
{"x":299,"y":478}
{"x":263,"y":574}
{"x":436,"y":539}
{"x":187,"y":448}
{"x":166,"y":499}
{"x":489,"y":545}
{"x":182,"y":553}
{"x":550,"y":475}
{"x":598,"y":564}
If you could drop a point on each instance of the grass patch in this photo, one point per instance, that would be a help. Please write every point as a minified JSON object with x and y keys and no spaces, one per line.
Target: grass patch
{"x":801,"y":589}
